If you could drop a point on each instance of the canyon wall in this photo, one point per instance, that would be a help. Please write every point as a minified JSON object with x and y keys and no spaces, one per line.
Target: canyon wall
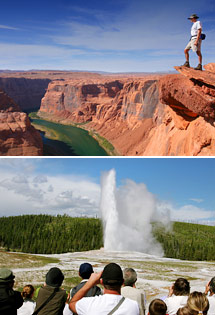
{"x":26,"y":92}
{"x":17,"y":136}
{"x":78,"y":100}
{"x":27,"y":88}
{"x":170,"y":115}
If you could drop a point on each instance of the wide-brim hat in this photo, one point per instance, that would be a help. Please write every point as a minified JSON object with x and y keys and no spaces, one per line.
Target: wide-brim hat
{"x":112,"y":274}
{"x":6,"y":275}
{"x":193,"y":16}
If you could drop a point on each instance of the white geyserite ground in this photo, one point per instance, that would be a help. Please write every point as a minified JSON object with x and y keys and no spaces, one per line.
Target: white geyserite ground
{"x":155,"y":274}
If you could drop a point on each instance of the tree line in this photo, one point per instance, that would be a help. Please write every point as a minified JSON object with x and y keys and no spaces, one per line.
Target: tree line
{"x":46,"y":234}
{"x":187,"y":241}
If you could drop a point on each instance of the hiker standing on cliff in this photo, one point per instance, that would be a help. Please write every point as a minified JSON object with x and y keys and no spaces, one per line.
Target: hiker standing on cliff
{"x":195,"y":41}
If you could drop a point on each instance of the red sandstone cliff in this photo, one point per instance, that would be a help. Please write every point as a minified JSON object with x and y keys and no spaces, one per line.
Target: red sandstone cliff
{"x":26,"y":92}
{"x":168,"y":115}
{"x":17,"y":136}
{"x":78,"y":100}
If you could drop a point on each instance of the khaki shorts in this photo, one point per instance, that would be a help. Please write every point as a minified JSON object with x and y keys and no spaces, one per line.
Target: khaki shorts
{"x":191,"y":45}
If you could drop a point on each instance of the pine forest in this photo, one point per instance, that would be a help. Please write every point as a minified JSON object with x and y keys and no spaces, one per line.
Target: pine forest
{"x":45,"y":234}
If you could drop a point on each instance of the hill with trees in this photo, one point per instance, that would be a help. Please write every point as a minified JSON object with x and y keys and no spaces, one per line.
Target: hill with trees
{"x":187,"y":241}
{"x":45,"y":234}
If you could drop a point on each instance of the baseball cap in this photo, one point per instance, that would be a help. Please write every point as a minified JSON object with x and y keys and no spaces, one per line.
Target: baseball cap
{"x":112,"y":274}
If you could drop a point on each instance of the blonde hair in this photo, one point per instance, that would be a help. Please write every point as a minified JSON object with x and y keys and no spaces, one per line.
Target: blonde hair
{"x":27,"y":291}
{"x":197,"y":303}
{"x":183,"y":311}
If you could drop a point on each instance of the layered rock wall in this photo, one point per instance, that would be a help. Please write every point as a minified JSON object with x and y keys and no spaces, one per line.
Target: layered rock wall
{"x":78,"y":100}
{"x":17,"y":136}
{"x":26,"y":92}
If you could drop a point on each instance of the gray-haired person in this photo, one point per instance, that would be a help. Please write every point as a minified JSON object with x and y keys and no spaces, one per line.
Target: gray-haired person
{"x":130,"y":291}
{"x":195,"y":41}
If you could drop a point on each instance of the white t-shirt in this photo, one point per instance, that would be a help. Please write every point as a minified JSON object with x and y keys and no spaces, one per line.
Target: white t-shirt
{"x":103,"y":304}
{"x":195,"y":27}
{"x":27,"y":308}
{"x":211,"y":300}
{"x":174,"y":303}
{"x":66,"y":310}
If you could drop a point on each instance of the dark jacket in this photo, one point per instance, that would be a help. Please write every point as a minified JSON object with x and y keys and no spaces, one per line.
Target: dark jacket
{"x":92,"y":292}
{"x":56,"y":305}
{"x":10,"y":300}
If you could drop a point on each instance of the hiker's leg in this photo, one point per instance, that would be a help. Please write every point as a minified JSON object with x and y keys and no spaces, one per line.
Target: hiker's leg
{"x":186,"y":52}
{"x":199,"y":56}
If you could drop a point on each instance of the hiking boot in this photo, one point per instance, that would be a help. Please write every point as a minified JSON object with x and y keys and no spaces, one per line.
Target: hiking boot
{"x":199,"y":67}
{"x":186,"y":64}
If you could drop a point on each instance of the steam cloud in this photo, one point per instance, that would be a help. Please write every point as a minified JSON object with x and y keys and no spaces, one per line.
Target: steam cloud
{"x":127,"y":214}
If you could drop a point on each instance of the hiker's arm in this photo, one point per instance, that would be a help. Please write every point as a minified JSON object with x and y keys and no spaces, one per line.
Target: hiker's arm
{"x":207,"y":288}
{"x":198,"y":36}
{"x":93,"y":280}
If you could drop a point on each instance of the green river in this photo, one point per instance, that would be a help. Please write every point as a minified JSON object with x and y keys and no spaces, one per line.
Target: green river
{"x":66,"y":140}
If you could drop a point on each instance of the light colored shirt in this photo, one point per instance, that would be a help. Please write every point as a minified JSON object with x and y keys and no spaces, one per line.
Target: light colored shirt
{"x":136,"y":295}
{"x":175,"y":302}
{"x":195,"y":27}
{"x":66,"y":310}
{"x":103,"y":304}
{"x":211,"y":300}
{"x":27,"y":308}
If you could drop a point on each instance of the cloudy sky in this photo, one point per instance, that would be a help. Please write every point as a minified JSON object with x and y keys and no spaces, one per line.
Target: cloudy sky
{"x":111,"y":35}
{"x":182,"y":187}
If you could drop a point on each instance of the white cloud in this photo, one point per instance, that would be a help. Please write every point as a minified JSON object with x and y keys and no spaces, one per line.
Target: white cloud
{"x":40,"y":179}
{"x":21,"y":185}
{"x":139,"y":26}
{"x":198,"y":200}
{"x":10,"y":50}
{"x":11,"y":164}
{"x":9,"y":27}
{"x":119,"y":37}
{"x":74,"y":195}
{"x":50,"y":188}
{"x":189,"y":213}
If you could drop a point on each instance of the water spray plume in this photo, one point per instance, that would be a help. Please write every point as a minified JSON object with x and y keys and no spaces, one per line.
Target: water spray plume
{"x":127,"y":213}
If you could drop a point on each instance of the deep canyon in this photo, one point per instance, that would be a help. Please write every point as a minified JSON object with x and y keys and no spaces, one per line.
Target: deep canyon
{"x":140,"y":115}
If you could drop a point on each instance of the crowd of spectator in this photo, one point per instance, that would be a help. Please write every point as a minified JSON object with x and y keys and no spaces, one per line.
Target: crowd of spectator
{"x":110,"y":291}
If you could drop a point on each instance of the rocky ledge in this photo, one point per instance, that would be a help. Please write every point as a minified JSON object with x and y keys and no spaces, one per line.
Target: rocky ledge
{"x":17,"y":136}
{"x":155,"y":115}
{"x":195,"y":90}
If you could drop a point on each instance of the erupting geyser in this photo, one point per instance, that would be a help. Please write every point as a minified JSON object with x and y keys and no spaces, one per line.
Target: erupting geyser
{"x":127,"y":213}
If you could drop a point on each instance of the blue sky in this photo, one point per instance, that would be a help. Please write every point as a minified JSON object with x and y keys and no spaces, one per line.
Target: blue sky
{"x":183,"y":187}
{"x":116,"y":36}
